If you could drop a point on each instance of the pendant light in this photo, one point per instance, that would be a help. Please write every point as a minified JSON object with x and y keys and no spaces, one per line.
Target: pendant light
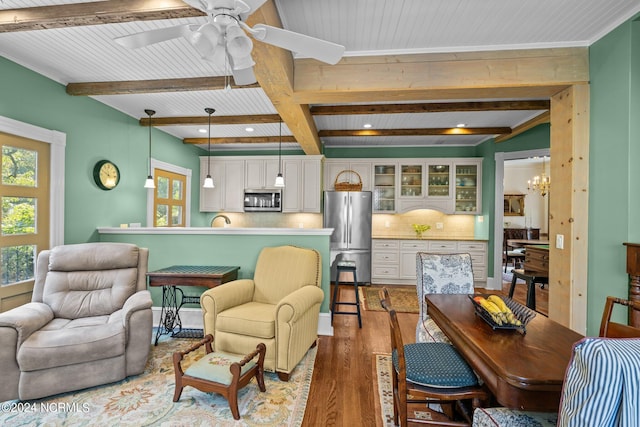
{"x":208,"y":181}
{"x":149,"y":182}
{"x":279,"y":179}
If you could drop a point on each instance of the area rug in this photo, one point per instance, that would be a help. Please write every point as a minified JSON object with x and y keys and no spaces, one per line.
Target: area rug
{"x":385,"y":391}
{"x":147,"y":400}
{"x":403,"y":298}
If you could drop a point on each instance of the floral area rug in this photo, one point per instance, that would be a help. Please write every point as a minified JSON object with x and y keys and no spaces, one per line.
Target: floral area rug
{"x":403,"y":298}
{"x":147,"y":399}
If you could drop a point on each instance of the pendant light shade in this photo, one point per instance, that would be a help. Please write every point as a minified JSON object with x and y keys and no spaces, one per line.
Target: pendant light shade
{"x":149,"y":182}
{"x":208,"y":181}
{"x":279,"y":179}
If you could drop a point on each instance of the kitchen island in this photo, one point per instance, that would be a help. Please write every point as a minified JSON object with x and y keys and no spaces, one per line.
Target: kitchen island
{"x":222,"y":246}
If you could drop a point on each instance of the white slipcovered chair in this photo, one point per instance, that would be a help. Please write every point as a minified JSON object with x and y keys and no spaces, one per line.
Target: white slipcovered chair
{"x":439,"y":274}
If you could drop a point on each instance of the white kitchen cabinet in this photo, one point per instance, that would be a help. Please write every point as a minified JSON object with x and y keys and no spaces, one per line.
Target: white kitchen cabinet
{"x":385,"y":258}
{"x":233,"y":174}
{"x":260,"y":173}
{"x":228,"y":178}
{"x":394,"y":260}
{"x":468,"y":185}
{"x":334,"y":166}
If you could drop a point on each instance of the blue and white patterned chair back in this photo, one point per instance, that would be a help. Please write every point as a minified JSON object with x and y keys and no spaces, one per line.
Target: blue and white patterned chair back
{"x":440,"y":274}
{"x":601,"y":388}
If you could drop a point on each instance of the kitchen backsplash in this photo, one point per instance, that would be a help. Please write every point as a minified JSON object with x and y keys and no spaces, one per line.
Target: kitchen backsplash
{"x":271,"y":220}
{"x":400,"y":225}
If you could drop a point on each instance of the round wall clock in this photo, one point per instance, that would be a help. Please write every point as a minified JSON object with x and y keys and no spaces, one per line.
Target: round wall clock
{"x":106,"y":174}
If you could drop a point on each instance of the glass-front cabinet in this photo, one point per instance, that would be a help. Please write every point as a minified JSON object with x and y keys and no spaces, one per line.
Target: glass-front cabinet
{"x":438,"y":180}
{"x":467,"y":188}
{"x":411,"y":180}
{"x":384,"y":188}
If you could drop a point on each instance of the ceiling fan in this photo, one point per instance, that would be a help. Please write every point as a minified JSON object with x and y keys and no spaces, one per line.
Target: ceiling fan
{"x":225,"y":36}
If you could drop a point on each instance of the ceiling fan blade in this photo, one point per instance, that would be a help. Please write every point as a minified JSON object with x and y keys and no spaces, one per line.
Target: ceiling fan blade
{"x":253,"y":6}
{"x":146,"y":38}
{"x":244,"y":76}
{"x":312,"y":47}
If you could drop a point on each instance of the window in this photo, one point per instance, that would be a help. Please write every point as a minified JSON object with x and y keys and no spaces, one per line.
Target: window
{"x":168,"y":205}
{"x":24,"y":217}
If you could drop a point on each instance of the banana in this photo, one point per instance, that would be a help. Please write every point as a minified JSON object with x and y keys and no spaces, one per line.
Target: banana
{"x":509,"y":317}
{"x":493,"y":311}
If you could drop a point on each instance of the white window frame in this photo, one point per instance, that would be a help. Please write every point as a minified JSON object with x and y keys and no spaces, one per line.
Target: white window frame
{"x":157,"y":164}
{"x":58,"y":142}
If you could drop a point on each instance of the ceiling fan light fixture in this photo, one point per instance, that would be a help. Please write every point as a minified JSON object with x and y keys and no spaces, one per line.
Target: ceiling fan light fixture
{"x":239,"y":45}
{"x":205,"y":40}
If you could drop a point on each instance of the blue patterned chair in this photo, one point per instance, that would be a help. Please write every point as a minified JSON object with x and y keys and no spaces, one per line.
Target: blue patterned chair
{"x":439,"y":274}
{"x":601,"y":388}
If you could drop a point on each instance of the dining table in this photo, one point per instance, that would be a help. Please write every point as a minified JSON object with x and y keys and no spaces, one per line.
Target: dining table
{"x":523,"y":368}
{"x":521,"y":243}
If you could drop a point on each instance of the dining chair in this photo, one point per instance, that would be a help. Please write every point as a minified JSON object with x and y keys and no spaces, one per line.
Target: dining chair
{"x":431,"y":373}
{"x":614,"y":329}
{"x":439,"y":273}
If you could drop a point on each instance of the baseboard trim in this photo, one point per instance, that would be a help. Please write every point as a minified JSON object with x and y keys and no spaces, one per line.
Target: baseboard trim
{"x":191,"y":318}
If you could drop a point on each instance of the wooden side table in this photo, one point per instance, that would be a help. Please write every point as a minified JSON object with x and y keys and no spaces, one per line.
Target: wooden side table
{"x":170,"y":278}
{"x":633,"y":270}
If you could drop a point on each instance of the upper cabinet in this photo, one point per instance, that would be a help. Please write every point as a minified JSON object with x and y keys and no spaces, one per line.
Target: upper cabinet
{"x":233,"y":174}
{"x":360,"y":170}
{"x":450,"y":185}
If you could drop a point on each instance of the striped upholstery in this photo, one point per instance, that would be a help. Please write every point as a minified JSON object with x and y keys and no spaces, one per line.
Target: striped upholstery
{"x":439,"y":274}
{"x":601,"y":388}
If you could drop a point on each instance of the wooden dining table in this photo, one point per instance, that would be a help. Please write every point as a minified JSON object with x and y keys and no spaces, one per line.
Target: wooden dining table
{"x":522,"y":370}
{"x":521,"y":243}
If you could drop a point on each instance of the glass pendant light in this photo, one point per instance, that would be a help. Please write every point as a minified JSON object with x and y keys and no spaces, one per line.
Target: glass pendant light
{"x":149,"y":182}
{"x":208,"y":181}
{"x":279,"y":179}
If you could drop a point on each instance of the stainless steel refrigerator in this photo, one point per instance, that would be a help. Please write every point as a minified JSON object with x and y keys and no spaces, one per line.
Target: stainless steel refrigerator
{"x":349,"y":214}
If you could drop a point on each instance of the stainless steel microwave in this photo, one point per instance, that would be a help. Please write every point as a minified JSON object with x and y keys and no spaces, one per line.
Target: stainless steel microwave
{"x":263,"y":200}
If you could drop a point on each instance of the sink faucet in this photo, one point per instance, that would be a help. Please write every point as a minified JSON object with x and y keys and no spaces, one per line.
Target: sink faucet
{"x":226,"y":219}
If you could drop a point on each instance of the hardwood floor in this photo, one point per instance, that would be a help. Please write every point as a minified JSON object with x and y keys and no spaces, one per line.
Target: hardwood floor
{"x":342,"y":390}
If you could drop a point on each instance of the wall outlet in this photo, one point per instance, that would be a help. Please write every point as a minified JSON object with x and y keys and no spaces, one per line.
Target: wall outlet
{"x":439,"y":226}
{"x":559,"y":241}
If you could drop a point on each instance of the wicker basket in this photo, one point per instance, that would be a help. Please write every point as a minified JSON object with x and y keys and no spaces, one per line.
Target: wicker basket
{"x":347,"y":185}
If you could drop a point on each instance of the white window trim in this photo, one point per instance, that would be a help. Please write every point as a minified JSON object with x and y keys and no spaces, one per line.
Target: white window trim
{"x":175,"y":169}
{"x":58,"y":141}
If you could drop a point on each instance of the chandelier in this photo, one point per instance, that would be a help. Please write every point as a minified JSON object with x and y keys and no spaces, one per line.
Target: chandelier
{"x":541,"y":183}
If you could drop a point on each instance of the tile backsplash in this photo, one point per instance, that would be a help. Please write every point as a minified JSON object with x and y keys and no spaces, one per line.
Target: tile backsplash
{"x":400,"y":225}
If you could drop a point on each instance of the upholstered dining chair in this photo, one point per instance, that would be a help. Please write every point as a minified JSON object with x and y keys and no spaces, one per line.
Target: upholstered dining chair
{"x":439,"y":274}
{"x":431,"y":373}
{"x":279,"y":307}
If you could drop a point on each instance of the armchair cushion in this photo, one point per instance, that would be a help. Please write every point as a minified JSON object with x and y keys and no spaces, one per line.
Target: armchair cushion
{"x":253,"y":318}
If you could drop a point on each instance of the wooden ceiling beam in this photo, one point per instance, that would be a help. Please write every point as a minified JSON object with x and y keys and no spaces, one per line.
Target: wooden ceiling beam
{"x":152,"y":86}
{"x":428,"y":107}
{"x":241,"y":140}
{"x":416,"y":132}
{"x":542,"y":118}
{"x":274,"y":71}
{"x":216,"y":120}
{"x":94,"y":13}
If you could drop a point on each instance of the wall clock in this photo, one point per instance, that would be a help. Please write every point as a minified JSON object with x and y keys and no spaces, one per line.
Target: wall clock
{"x":106,"y":174}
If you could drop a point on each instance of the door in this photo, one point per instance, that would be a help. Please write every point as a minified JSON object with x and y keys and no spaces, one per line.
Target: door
{"x":335,"y":216}
{"x":359,"y":220}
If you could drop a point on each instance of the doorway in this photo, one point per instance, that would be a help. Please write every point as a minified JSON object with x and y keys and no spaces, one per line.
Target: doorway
{"x":526,"y":220}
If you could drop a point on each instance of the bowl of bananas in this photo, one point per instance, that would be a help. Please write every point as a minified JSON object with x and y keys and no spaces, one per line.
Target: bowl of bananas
{"x":502,"y":312}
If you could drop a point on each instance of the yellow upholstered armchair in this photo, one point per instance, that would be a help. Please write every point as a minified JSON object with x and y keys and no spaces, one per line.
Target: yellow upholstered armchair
{"x":278,"y":307}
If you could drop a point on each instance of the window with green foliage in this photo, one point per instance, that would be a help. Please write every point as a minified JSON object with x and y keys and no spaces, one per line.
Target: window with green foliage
{"x":169,"y":200}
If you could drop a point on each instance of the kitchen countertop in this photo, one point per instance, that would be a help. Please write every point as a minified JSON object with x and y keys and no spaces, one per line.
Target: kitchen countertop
{"x":406,"y":237}
{"x":217,"y":230}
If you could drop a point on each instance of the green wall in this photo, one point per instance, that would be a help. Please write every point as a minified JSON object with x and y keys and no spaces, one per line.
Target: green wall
{"x":614,"y":152}
{"x":94,"y":131}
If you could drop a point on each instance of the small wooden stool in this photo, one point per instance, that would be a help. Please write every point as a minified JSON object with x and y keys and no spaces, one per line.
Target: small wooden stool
{"x":221,"y":373}
{"x":350,"y":267}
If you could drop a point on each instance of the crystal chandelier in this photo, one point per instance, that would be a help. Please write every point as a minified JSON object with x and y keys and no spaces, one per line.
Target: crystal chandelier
{"x":541,"y":183}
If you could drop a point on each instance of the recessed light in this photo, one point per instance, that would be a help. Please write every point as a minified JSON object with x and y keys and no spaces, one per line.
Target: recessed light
{"x":367,"y":125}
{"x":249,"y":129}
{"x":202,"y":130}
{"x":461,"y":125}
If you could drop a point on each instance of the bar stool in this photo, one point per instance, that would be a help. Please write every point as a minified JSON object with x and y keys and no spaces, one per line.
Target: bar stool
{"x":530,"y":281}
{"x":347,"y":267}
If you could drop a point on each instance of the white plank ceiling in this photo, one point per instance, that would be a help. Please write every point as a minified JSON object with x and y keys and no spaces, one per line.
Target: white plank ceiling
{"x":364,"y":27}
